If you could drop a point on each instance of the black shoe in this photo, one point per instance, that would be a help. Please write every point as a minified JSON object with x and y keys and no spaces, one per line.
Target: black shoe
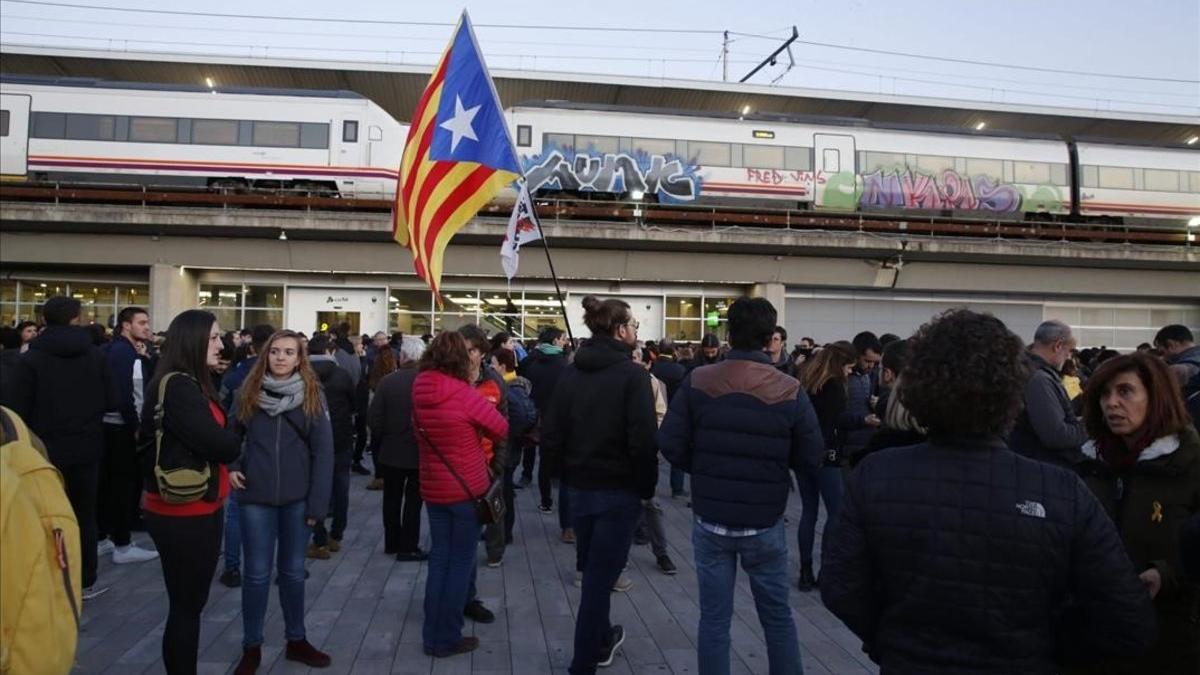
{"x":668,"y":568}
{"x":476,"y":612}
{"x":412,"y":556}
{"x":640,"y":540}
{"x":675,"y":494}
{"x":546,"y":508}
{"x":231,"y":578}
{"x":359,"y":469}
{"x":807,"y":580}
{"x":616,"y":637}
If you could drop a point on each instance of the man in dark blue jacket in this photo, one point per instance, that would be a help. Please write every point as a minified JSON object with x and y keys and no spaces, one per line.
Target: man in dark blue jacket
{"x":542,"y":368}
{"x":671,"y":372}
{"x":739,"y":428}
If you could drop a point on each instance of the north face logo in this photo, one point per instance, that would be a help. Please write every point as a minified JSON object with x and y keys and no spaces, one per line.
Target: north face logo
{"x":1032,"y":509}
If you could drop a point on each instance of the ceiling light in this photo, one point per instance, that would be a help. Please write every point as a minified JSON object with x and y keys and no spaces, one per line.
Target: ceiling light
{"x":1192,"y":140}
{"x":980,"y":126}
{"x":283,"y":235}
{"x":637,"y":195}
{"x":209,"y":81}
{"x":745,"y":110}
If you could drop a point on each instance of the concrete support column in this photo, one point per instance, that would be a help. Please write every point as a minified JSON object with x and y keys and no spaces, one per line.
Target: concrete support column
{"x":173,"y":289}
{"x":775,"y":294}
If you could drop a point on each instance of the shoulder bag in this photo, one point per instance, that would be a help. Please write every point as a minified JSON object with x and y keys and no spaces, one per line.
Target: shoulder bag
{"x":489,"y":508}
{"x":175,"y":486}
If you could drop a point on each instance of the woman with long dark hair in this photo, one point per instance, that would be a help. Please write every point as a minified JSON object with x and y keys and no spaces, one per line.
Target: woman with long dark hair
{"x":284,"y":480}
{"x":450,"y":418}
{"x":192,"y":435}
{"x":824,"y":378}
{"x":1149,"y":482}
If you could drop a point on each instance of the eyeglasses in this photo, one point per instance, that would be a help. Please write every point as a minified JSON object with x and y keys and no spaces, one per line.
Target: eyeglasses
{"x":633,"y":323}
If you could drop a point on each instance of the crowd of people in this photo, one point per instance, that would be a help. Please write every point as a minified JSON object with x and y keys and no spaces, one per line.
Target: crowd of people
{"x":991,"y":506}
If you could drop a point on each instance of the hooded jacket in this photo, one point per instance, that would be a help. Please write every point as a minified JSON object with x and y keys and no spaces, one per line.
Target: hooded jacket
{"x":1047,"y":428}
{"x":670,"y":372}
{"x":542,"y":370}
{"x":451,"y":418}
{"x":599,"y":433}
{"x":339,"y":394}
{"x":63,"y":388}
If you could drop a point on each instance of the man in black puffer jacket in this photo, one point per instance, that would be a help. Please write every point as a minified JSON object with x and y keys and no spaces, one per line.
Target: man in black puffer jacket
{"x":542,"y":368}
{"x":958,"y":555}
{"x":339,"y":396}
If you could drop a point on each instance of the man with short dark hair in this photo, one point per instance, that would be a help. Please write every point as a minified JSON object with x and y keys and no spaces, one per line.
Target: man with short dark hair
{"x":668,"y":370}
{"x":895,"y":355}
{"x":860,"y":390}
{"x":63,"y":386}
{"x":542,"y":368}
{"x":1179,"y":347}
{"x":777,"y":349}
{"x":120,"y":475}
{"x":1047,"y":428}
{"x":740,"y":427}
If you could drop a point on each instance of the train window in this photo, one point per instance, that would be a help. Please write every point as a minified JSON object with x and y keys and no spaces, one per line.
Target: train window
{"x":561,"y":141}
{"x":992,"y":168}
{"x":1194,"y":182}
{"x":597,"y":144}
{"x":350,"y":131}
{"x":1058,"y":174}
{"x":183,"y":130}
{"x":934,"y":164}
{"x":277,"y":134}
{"x":314,"y":135}
{"x":887,"y":162}
{"x":1031,"y":173}
{"x":1088,"y":177}
{"x":704,"y":153}
{"x":762,"y":157}
{"x":1161,"y":180}
{"x":4,"y":115}
{"x":215,"y":132}
{"x":654,"y":146}
{"x":831,"y":160}
{"x":153,"y":129}
{"x":1117,"y":177}
{"x":524,"y":135}
{"x":49,"y":125}
{"x":797,"y":159}
{"x":374,"y":133}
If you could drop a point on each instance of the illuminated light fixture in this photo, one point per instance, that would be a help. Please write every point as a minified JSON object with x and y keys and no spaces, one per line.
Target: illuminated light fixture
{"x":209,"y":82}
{"x":637,"y":195}
{"x":980,"y":126}
{"x":1193,"y":140}
{"x":763,"y":133}
{"x":283,"y":235}
{"x":745,"y":110}
{"x":1194,"y":221}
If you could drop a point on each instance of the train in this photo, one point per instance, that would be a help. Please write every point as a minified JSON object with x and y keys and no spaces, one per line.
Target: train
{"x":337,"y":143}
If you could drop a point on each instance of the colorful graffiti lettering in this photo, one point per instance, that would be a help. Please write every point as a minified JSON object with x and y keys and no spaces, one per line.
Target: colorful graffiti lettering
{"x":950,"y":190}
{"x":780,"y":177}
{"x":666,"y":176}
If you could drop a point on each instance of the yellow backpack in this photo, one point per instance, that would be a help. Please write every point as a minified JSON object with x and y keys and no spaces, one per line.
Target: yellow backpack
{"x":39,"y":557}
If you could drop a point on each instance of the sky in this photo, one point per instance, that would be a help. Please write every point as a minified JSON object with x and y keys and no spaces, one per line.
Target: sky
{"x":1126,"y":56}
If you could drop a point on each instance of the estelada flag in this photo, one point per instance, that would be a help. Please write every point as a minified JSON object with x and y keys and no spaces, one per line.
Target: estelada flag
{"x":459,"y":154}
{"x":522,"y":228}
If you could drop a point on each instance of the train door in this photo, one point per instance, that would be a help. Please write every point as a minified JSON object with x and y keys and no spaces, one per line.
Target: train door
{"x":346,"y":152}
{"x":834,"y":164}
{"x":14,"y":134}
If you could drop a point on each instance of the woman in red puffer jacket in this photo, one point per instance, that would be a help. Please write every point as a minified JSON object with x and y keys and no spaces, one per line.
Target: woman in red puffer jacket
{"x":451,"y":418}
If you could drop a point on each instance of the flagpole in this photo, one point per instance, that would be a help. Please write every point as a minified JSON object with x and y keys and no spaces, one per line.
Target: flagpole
{"x":557,"y":290}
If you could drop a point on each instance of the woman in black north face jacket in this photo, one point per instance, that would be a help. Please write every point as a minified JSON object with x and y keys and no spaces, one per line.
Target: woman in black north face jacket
{"x":958,"y":555}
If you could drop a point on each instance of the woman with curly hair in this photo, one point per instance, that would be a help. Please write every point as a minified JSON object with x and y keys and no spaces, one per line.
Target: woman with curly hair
{"x":283,"y":482}
{"x":958,"y":555}
{"x":1149,"y":481}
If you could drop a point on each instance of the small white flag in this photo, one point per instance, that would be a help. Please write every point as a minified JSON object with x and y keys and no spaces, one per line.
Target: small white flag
{"x":522,"y":229}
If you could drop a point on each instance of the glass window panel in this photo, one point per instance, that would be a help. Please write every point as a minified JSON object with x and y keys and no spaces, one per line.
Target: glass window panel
{"x":1096,"y":316}
{"x":993,"y":168}
{"x":561,"y":141}
{"x":1034,"y":173}
{"x":532,"y":325}
{"x":1166,"y":317}
{"x":264,"y":296}
{"x":152,"y":129}
{"x":97,"y":300}
{"x":313,"y":135}
{"x":8,"y":314}
{"x":256,"y":317}
{"x":683,"y":307}
{"x":715,"y":309}
{"x":934,"y":163}
{"x":524,"y":135}
{"x":277,"y":134}
{"x":1132,"y":318}
{"x":494,"y":322}
{"x":49,"y":125}
{"x":462,"y":301}
{"x":1089,"y":176}
{"x":708,"y":154}
{"x":215,"y":132}
{"x":452,"y":320}
{"x":1130,"y":338}
{"x":1194,"y":181}
{"x":683,"y":329}
{"x":797,"y":159}
{"x":539,"y":303}
{"x":654,"y":146}
{"x":411,"y":323}
{"x":410,"y":301}
{"x":4,"y":115}
{"x":597,"y":144}
{"x":90,"y":127}
{"x":1163,"y":181}
{"x":8,"y":290}
{"x":133,"y":295}
{"x":1095,"y":337}
{"x":1116,"y":177}
{"x":762,"y":157}
{"x":229,"y":319}
{"x":212,"y":295}
{"x":885,"y":162}
{"x":1058,"y":174}
{"x":350,"y":131}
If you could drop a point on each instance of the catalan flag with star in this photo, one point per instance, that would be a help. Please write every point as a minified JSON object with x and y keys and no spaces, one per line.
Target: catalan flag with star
{"x":459,"y":154}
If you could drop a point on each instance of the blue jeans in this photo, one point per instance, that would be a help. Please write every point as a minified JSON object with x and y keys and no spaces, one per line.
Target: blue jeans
{"x":764,"y":559}
{"x":262,"y":527}
{"x":604,"y":522}
{"x":454,"y":536}
{"x":233,"y":535}
{"x":677,"y":478}
{"x":826,"y":483}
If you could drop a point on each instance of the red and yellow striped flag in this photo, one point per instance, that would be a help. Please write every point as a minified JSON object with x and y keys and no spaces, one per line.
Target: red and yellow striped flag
{"x":459,"y":154}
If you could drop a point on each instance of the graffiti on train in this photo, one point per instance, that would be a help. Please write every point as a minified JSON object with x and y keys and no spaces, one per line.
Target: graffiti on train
{"x":949,"y":190}
{"x":667,"y":176}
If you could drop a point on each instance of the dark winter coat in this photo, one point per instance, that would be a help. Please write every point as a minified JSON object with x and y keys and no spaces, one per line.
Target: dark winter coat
{"x":738,"y":427}
{"x":1151,"y":502}
{"x":1048,"y":429}
{"x":833,"y":414}
{"x":599,"y":431}
{"x":885,"y":438}
{"x":234,"y":377}
{"x":63,"y":388}
{"x":542,"y":370}
{"x":962,"y":556}
{"x":670,"y":372}
{"x":390,"y":420}
{"x":1189,"y":549}
{"x":339,"y":394}
{"x":522,"y":417}
{"x":121,"y":357}
{"x":855,"y":432}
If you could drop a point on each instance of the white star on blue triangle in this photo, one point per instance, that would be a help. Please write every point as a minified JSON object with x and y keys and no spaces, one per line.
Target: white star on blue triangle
{"x":459,"y":126}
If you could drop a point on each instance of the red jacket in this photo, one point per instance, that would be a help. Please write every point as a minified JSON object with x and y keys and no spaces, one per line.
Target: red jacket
{"x":455,"y":418}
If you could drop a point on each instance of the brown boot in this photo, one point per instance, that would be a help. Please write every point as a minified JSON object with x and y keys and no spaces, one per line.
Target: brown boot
{"x":318,"y":552}
{"x":376,"y":484}
{"x":251,"y":658}
{"x":302,"y":651}
{"x":335,"y":545}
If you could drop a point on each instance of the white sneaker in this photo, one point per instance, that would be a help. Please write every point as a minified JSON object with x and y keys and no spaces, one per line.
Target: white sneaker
{"x":578,"y":579}
{"x":132,"y":554}
{"x":104,"y":546}
{"x":623,"y":584}
{"x":92,"y":592}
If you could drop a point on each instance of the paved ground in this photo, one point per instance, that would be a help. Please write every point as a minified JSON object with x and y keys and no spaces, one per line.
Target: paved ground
{"x":365,"y":609}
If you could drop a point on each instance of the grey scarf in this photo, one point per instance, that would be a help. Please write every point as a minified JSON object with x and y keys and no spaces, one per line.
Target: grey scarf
{"x":280,"y":396}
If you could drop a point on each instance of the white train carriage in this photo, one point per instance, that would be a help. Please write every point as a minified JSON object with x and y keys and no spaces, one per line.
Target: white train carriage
{"x":321,"y":142}
{"x":1136,"y":183}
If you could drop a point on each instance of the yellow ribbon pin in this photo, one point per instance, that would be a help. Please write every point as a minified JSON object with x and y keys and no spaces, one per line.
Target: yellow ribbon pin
{"x":1157,"y":516}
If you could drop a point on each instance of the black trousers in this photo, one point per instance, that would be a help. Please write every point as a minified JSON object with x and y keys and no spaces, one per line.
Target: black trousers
{"x":528,"y":457}
{"x":82,"y":482}
{"x":401,"y":509}
{"x":120,"y":484}
{"x":188,"y":548}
